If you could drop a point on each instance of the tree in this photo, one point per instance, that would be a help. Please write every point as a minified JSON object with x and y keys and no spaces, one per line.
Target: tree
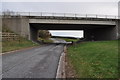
{"x":45,"y":34}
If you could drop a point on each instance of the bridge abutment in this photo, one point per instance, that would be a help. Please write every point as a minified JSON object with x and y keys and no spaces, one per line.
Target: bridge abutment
{"x":18,"y":25}
{"x":99,"y":34}
{"x":33,"y":34}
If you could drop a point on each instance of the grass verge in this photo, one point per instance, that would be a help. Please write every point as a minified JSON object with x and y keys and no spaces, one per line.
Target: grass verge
{"x":95,"y":59}
{"x":15,"y":45}
{"x":69,"y":40}
{"x":45,"y":40}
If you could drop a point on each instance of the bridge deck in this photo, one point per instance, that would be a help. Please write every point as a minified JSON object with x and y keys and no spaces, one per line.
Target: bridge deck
{"x":64,"y":18}
{"x":70,"y":16}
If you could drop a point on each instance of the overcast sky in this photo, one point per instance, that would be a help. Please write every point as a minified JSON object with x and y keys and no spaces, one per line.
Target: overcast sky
{"x":100,"y":7}
{"x":104,"y":8}
{"x":59,"y":0}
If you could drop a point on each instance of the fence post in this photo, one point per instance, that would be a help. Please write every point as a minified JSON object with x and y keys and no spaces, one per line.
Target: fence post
{"x":86,"y":15}
{"x":53,"y":14}
{"x":115,"y":17}
{"x":29,"y":13}
{"x":106,"y":16}
{"x":41,"y":13}
{"x":96,"y":16}
{"x":64,"y":14}
{"x":75,"y":15}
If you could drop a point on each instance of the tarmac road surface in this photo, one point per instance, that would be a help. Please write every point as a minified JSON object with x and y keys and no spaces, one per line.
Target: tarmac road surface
{"x":40,"y":62}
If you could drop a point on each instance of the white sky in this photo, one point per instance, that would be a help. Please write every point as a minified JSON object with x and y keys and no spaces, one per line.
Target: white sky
{"x":70,"y":33}
{"x":102,"y":7}
{"x":59,"y":0}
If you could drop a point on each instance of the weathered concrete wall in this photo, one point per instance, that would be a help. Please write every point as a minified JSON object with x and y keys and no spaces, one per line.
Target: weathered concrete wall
{"x":13,"y":24}
{"x":118,"y":22}
{"x":88,"y":33}
{"x":25,"y":28}
{"x":17,"y":25}
{"x":98,"y":34}
{"x":105,"y":34}
{"x":33,"y":33}
{"x":117,"y":27}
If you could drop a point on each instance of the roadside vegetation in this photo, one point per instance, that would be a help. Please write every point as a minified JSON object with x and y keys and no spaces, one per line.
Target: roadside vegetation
{"x":69,"y":40}
{"x":11,"y":45}
{"x":95,"y":59}
{"x":45,"y":40}
{"x":21,"y":43}
{"x":16,"y":45}
{"x":44,"y":36}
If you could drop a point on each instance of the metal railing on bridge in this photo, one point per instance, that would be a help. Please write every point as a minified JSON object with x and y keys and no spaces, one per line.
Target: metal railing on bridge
{"x":62,"y":15}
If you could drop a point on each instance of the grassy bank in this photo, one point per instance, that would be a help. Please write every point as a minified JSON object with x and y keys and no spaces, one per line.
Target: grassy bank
{"x":45,"y":40}
{"x":95,"y":59}
{"x":11,"y":45}
{"x":69,"y":40}
{"x":15,"y":45}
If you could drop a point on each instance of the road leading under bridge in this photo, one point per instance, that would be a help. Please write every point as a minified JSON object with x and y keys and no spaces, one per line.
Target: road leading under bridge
{"x":40,"y":62}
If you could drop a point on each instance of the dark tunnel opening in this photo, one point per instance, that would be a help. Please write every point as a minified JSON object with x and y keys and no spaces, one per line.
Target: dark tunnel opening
{"x":91,"y":32}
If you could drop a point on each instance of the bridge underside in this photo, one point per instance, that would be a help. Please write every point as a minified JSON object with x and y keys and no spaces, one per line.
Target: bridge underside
{"x":91,"y":31}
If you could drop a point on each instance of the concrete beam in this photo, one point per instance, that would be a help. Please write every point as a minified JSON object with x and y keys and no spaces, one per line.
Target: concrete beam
{"x":71,"y":21}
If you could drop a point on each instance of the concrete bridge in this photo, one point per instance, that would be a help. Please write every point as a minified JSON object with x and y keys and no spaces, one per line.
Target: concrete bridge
{"x":95,"y":27}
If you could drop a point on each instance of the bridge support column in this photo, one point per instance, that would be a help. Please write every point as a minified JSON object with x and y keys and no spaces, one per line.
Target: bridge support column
{"x":118,"y":26}
{"x":33,"y":34}
{"x":88,"y":33}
